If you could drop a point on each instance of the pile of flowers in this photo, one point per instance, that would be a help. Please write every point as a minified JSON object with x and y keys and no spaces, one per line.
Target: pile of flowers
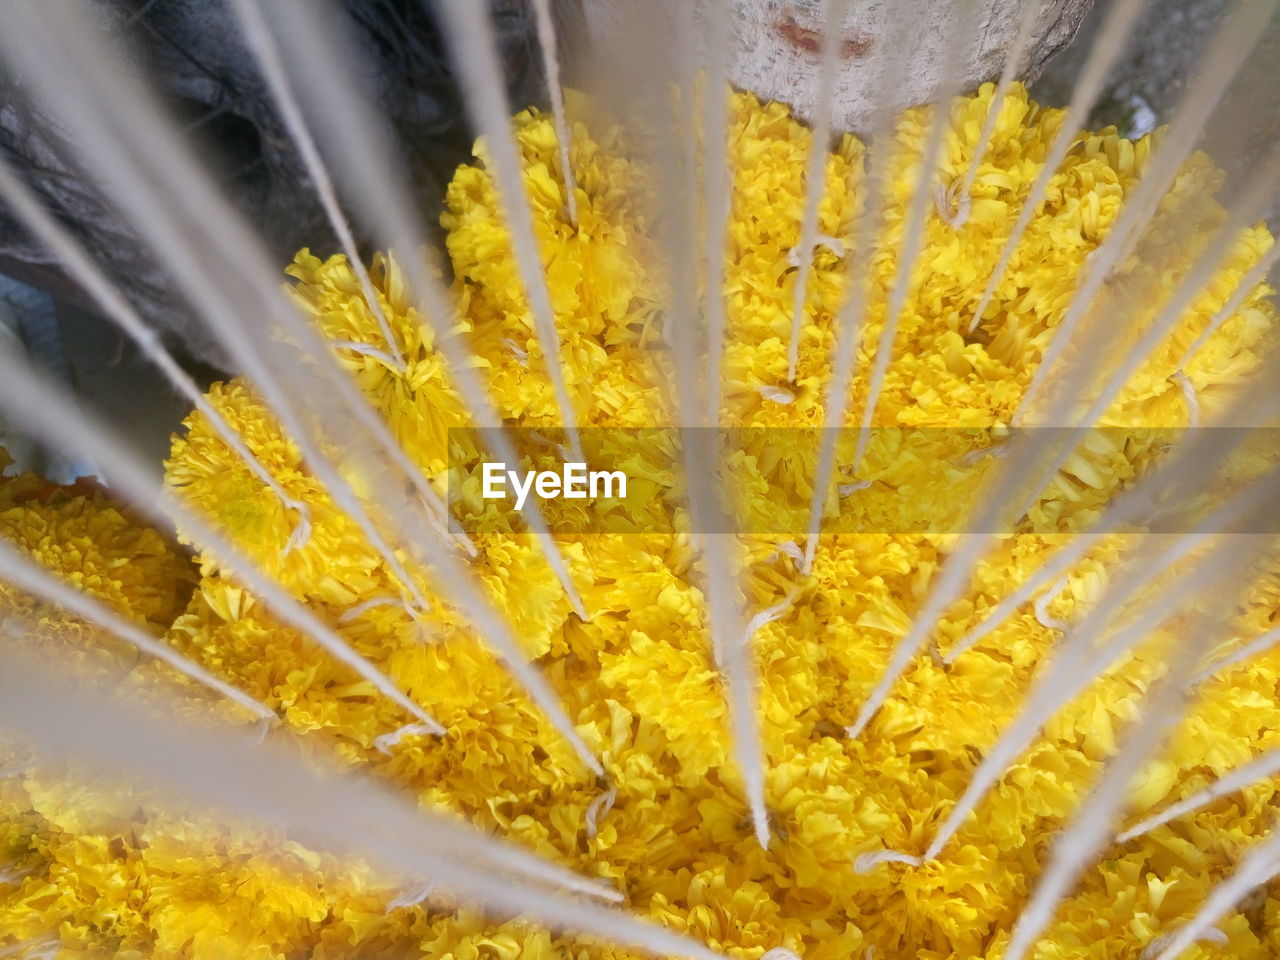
{"x":94,"y":870}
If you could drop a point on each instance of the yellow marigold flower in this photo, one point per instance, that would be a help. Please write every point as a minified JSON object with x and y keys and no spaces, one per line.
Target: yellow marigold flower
{"x":637,"y":678}
{"x":418,"y":404}
{"x":599,"y":274}
{"x":333,"y":564}
{"x":80,"y":534}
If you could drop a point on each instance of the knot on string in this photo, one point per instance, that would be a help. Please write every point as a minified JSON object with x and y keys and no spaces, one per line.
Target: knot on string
{"x":834,"y":244}
{"x":1041,"y":607}
{"x":385,"y":742}
{"x":953,"y":204}
{"x":301,"y":529}
{"x":1189,"y":395}
{"x":412,"y":895}
{"x":369,"y":350}
{"x":13,"y":875}
{"x":563,"y":452}
{"x":768,"y":615}
{"x":437,"y":517}
{"x":260,"y":729}
{"x":597,"y":808}
{"x":360,"y":608}
{"x":845,"y":489}
{"x":776,"y":394}
{"x":996,"y":450}
{"x":788,"y":549}
{"x":517,"y":351}
{"x":869,"y":861}
{"x":1157,"y":946}
{"x":780,"y":953}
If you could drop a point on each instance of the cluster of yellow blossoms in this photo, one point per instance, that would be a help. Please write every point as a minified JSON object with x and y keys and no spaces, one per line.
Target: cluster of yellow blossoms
{"x":117,"y":873}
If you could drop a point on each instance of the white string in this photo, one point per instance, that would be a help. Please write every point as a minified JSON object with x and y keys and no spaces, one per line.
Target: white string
{"x":1228,"y":50}
{"x":1248,"y":651}
{"x":1189,"y":398}
{"x":965,"y":12}
{"x":470,"y":600}
{"x":140,"y":178}
{"x":352,"y":613}
{"x":475,"y":58}
{"x":957,"y":569}
{"x":955,"y":575}
{"x":769,"y":615}
{"x":869,"y":861}
{"x":48,"y":414}
{"x":551,"y":70}
{"x":1267,"y":765}
{"x":72,"y":256}
{"x":955,"y":210}
{"x":364,"y":349}
{"x":717,"y":189}
{"x":1208,"y":935}
{"x":796,"y":256}
{"x":1256,"y":275}
{"x":1243,"y":209}
{"x":1041,"y":606}
{"x":365,"y":160}
{"x":320,"y":805}
{"x":412,"y":896}
{"x":972,"y":547}
{"x":776,"y":394}
{"x":1057,"y":564}
{"x":1080,"y":842}
{"x":1192,"y":464}
{"x":789,"y":549}
{"x":34,"y":949}
{"x":1112,"y":36}
{"x":1261,"y":864}
{"x":258,"y":36}
{"x":1078,"y":663}
{"x":677,"y":163}
{"x":597,"y":808}
{"x":851,"y":316}
{"x":20,"y":571}
{"x":815,"y":178}
{"x":849,"y":326}
{"x":384,"y":743}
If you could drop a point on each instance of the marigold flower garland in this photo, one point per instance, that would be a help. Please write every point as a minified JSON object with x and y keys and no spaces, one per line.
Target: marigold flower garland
{"x":95,"y":870}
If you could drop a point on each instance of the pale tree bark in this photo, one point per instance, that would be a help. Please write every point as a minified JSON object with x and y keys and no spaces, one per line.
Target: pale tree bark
{"x":776,"y":46}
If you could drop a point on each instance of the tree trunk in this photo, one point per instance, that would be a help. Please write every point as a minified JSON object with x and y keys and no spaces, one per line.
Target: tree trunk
{"x":776,"y":46}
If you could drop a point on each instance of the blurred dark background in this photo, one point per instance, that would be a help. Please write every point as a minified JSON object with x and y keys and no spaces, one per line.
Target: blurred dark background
{"x":208,"y":79}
